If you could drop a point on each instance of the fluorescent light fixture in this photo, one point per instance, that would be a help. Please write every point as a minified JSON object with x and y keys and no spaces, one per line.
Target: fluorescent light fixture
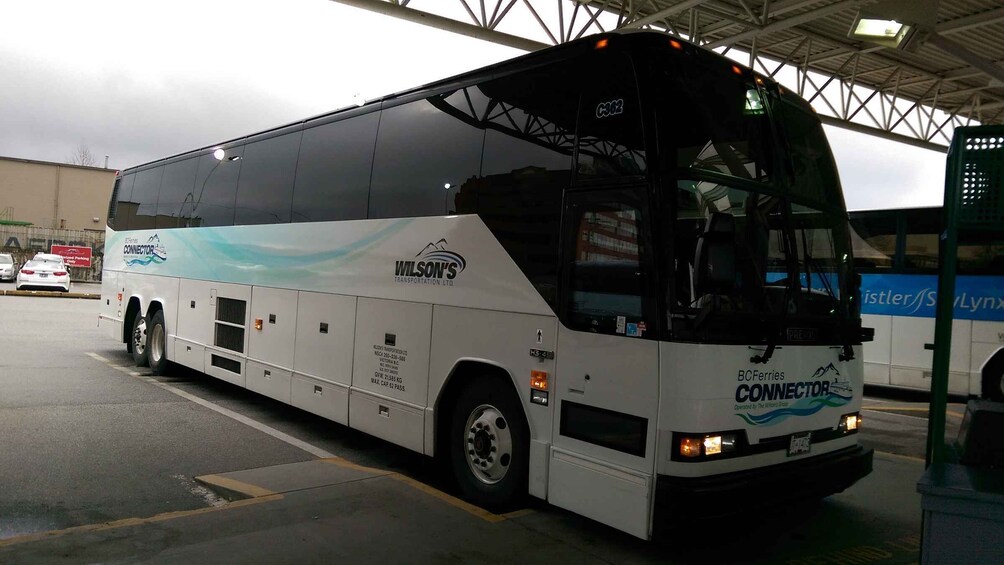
{"x":886,"y":29}
{"x":880,"y":30}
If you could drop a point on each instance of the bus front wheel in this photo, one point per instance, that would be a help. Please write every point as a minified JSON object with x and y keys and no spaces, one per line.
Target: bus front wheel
{"x":993,"y":379}
{"x":138,"y":341}
{"x":489,"y":444}
{"x":155,"y":344}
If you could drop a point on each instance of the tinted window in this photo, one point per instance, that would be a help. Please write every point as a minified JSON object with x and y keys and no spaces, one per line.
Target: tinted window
{"x":144,"y":194}
{"x":873,"y":237}
{"x":710,"y":118}
{"x":526,"y":167}
{"x":611,"y":143}
{"x":265,"y":190}
{"x":124,"y":208}
{"x":174,"y":207}
{"x":606,"y":278}
{"x":421,"y":147}
{"x":216,"y":188}
{"x":920,"y":248}
{"x":815,"y":175}
{"x":333,"y":172}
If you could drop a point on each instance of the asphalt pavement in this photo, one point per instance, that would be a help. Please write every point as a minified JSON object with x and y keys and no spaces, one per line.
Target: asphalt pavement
{"x":104,"y":463}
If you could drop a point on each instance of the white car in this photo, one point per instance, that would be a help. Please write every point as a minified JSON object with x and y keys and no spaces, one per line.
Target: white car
{"x":6,"y":267}
{"x":43,"y":275}
{"x":51,"y":258}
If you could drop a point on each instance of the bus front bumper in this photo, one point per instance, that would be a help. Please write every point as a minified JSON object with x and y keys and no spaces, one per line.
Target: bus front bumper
{"x":815,"y":477}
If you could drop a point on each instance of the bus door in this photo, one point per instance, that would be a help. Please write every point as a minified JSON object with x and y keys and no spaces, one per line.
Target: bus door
{"x":602,"y":460}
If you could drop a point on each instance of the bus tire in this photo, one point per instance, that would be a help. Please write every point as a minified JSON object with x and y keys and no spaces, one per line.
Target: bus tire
{"x":993,"y":379}
{"x":156,"y":344}
{"x":489,"y":444}
{"x":138,"y":341}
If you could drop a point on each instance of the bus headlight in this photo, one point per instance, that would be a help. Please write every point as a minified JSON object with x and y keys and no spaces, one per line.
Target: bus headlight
{"x":707,"y":445}
{"x":849,"y":423}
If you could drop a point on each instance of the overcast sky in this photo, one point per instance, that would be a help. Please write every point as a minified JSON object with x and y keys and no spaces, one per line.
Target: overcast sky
{"x":139,"y":80}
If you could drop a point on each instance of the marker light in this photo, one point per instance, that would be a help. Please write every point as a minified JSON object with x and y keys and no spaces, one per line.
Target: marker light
{"x":601,"y":44}
{"x":690,"y":446}
{"x":538,"y":380}
{"x":737,"y":70}
{"x":219,"y":154}
{"x":850,"y":422}
{"x":675,"y":44}
{"x":257,"y":324}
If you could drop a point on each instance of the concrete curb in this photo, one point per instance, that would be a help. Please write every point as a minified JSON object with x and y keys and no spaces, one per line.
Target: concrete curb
{"x":51,"y":294}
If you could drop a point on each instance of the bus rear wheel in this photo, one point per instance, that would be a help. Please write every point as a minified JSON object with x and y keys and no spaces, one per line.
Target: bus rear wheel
{"x":489,"y":444}
{"x":138,"y":341}
{"x":156,"y":344}
{"x":993,"y":379}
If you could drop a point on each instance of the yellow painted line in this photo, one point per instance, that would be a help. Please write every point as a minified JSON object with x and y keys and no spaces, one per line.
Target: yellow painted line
{"x":905,"y":409}
{"x":418,"y":485}
{"x":898,"y":456}
{"x":127,"y":522}
{"x":323,"y":455}
{"x":518,"y":513}
{"x":249,"y":490}
{"x":342,"y":462}
{"x":451,"y":500}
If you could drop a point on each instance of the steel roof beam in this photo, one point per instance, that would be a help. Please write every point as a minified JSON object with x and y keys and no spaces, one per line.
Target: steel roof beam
{"x":662,"y":14}
{"x":781,"y":25}
{"x":447,"y":24}
{"x":971,"y":22}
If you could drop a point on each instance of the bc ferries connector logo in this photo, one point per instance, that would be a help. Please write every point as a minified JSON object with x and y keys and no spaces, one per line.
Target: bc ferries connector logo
{"x":434,"y":264}
{"x":142,"y":254}
{"x":765,"y":398}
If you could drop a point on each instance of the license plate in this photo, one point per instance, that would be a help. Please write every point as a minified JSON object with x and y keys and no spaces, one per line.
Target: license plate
{"x":43,"y":275}
{"x":799,"y":444}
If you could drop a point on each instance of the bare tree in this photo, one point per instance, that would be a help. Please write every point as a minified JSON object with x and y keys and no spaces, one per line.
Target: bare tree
{"x":83,"y":156}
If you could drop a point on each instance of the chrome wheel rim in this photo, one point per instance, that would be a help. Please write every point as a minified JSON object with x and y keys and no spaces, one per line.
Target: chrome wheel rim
{"x":156,"y":344}
{"x":488,"y":444}
{"x":139,"y":337}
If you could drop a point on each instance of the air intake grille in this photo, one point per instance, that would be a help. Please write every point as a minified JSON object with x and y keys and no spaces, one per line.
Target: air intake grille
{"x":230,"y":337}
{"x":226,"y":364}
{"x":230,"y":324}
{"x":230,"y":310}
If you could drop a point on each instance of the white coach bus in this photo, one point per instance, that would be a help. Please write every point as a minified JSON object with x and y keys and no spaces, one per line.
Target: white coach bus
{"x":604,"y":274}
{"x":896,"y":252}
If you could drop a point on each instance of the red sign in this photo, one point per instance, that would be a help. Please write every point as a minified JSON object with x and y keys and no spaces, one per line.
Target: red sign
{"x":73,"y":256}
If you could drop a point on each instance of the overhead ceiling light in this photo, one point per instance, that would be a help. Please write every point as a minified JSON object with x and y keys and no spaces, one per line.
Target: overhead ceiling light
{"x":885,"y":29}
{"x":880,"y":31}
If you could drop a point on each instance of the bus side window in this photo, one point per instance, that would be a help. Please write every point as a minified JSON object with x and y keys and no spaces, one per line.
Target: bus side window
{"x":144,"y":194}
{"x":265,"y":188}
{"x":414,"y":178}
{"x":216,"y":187}
{"x":606,"y":282}
{"x":174,"y":207}
{"x":333,"y":170}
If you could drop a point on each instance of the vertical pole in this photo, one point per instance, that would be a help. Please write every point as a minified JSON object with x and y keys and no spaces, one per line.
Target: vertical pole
{"x":947,"y":244}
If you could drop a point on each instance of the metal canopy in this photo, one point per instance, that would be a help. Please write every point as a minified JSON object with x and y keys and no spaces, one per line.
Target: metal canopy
{"x":950,"y":74}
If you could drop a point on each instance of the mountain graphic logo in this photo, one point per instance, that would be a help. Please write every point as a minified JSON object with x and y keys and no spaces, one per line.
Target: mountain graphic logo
{"x":434,"y":264}
{"x":822,"y":371}
{"x":438,"y":252}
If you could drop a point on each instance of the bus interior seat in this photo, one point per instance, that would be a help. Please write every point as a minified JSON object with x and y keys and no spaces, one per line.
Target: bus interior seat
{"x":715,"y":261}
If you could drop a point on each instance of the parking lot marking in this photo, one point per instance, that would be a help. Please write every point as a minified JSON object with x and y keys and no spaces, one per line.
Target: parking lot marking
{"x":894,"y":409}
{"x":314,"y":450}
{"x":127,"y":522}
{"x":449,"y":499}
{"x":418,"y":485}
{"x":226,"y":483}
{"x":898,"y":456}
{"x":281,"y":436}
